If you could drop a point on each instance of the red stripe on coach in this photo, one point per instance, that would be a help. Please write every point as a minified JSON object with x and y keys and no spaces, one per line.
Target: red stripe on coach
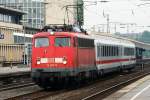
{"x":113,"y":61}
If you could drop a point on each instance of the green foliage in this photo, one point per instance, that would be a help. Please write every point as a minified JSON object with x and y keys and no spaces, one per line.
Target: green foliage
{"x":145,"y":37}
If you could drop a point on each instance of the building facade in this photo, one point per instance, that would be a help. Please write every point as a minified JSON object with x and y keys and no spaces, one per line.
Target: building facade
{"x":17,"y":28}
{"x":34,"y":9}
{"x":10,"y":24}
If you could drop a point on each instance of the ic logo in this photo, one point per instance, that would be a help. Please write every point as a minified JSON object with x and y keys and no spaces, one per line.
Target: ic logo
{"x":1,"y":36}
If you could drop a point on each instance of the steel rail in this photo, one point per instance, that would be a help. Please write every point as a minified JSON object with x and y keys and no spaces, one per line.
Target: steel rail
{"x":90,"y":97}
{"x":36,"y":95}
{"x":17,"y":86}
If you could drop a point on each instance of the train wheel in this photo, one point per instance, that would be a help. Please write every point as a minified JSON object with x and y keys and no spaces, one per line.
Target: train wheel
{"x":130,"y":69}
{"x":45,"y":84}
{"x":46,"y":88}
{"x":101,"y":73}
{"x":93,"y":75}
{"x":83,"y":78}
{"x":120,"y":69}
{"x":65,"y":82}
{"x":74,"y":81}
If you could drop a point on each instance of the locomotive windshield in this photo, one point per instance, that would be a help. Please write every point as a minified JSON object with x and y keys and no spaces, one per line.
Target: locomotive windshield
{"x":41,"y":42}
{"x":62,"y":41}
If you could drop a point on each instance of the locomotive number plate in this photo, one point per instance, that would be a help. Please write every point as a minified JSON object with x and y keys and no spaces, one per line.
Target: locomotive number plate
{"x":44,"y":60}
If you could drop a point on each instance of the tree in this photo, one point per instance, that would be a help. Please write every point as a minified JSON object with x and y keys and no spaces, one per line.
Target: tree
{"x":145,"y":37}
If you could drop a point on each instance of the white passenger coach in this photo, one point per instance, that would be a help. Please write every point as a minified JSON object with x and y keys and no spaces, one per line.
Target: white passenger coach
{"x":114,"y":54}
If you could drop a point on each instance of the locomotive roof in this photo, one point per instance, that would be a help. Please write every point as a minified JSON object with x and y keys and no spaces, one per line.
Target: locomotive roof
{"x":72,"y":34}
{"x":98,"y":38}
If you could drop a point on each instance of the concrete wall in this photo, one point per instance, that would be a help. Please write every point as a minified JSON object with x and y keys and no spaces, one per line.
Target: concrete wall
{"x":56,"y":11}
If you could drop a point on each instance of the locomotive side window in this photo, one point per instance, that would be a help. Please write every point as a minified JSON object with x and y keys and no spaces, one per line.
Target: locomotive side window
{"x":41,"y":42}
{"x":62,"y":42}
{"x":85,"y":43}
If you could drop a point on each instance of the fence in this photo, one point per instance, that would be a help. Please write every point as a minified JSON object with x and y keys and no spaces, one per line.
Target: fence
{"x":11,"y":53}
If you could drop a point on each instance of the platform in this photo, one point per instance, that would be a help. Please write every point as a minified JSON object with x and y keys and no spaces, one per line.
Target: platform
{"x":14,"y":69}
{"x":139,"y":90}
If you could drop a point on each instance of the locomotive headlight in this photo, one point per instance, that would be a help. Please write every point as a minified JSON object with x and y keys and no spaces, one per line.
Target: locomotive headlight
{"x":64,"y":60}
{"x":61,"y":60}
{"x":38,"y":61}
{"x":52,"y":33}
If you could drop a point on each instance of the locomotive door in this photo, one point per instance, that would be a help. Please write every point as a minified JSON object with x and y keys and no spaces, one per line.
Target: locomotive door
{"x":64,"y":51}
{"x":40,"y":51}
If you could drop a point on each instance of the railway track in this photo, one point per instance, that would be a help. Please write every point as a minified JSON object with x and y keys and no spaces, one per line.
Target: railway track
{"x":36,"y":95}
{"x":19,"y":74}
{"x":17,"y":80}
{"x":14,"y":78}
{"x":16,"y":85}
{"x":103,"y":87}
{"x":92,"y":91}
{"x":103,"y":93}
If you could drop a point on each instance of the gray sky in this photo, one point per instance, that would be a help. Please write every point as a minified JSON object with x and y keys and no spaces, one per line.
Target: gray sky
{"x":120,"y":11}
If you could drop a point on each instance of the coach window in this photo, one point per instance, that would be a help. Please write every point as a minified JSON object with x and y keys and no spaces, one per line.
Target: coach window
{"x":117,"y":51}
{"x":107,"y":51}
{"x":112,"y":51}
{"x":98,"y":51}
{"x":104,"y":51}
{"x":41,"y":42}
{"x":62,"y":41}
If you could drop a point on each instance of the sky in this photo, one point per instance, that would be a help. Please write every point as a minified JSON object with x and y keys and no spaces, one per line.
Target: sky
{"x":131,"y":16}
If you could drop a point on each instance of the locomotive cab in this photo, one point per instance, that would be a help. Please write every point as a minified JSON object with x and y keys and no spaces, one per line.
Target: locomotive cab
{"x":60,"y":56}
{"x":53,"y":52}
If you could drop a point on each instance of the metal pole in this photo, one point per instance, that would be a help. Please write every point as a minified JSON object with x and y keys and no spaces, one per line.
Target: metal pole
{"x":107,"y":23}
{"x":115,"y":28}
{"x":127,"y":28}
{"x":27,"y":56}
{"x":78,"y":22}
{"x":24,"y":61}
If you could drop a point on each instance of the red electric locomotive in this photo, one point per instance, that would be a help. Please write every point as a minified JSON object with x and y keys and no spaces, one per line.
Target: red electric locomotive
{"x":58,"y":56}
